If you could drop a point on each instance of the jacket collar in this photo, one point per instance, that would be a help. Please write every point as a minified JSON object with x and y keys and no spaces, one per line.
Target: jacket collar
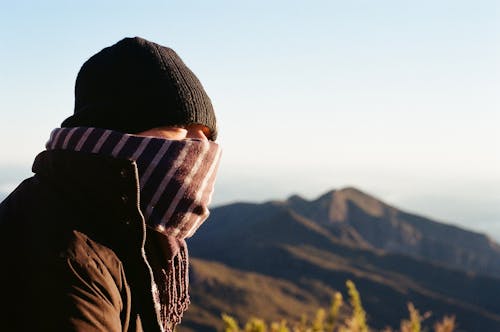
{"x":102,"y":192}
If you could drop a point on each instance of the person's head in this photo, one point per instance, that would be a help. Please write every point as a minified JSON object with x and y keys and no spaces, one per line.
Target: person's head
{"x":139,"y":87}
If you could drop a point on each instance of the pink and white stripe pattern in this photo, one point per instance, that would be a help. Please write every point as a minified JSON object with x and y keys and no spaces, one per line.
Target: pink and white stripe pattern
{"x":176,"y":177}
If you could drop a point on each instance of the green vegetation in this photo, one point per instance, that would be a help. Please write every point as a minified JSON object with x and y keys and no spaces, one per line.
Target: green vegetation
{"x":339,"y":317}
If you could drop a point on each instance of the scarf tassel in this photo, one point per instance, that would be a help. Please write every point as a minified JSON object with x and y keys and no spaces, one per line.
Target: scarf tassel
{"x":174,"y":288}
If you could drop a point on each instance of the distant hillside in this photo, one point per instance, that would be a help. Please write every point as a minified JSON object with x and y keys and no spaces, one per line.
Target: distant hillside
{"x":284,"y":258}
{"x":366,"y":221}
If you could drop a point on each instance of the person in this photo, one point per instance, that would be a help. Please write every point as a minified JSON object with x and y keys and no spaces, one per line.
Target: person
{"x":95,"y":240}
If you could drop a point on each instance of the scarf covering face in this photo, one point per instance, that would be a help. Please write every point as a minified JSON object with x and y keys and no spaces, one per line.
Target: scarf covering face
{"x":176,"y":180}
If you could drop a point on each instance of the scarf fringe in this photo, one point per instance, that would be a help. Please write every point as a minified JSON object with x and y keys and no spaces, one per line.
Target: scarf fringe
{"x":173,"y":286}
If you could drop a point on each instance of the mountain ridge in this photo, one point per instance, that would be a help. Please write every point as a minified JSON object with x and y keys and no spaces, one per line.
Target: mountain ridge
{"x":408,"y":233}
{"x":313,"y":246}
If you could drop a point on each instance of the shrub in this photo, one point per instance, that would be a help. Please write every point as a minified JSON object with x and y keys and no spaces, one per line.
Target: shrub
{"x":330,"y":321}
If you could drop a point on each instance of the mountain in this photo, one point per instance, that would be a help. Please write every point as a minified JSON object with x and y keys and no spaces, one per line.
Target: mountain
{"x":365,"y":220}
{"x":281,"y":259}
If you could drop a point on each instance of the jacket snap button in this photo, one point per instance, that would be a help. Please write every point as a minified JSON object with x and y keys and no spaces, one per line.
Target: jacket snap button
{"x":124,"y":198}
{"x":127,"y":222}
{"x":123,"y":172}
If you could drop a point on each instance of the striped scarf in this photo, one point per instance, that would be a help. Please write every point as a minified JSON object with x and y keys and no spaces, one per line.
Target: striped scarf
{"x":176,"y":180}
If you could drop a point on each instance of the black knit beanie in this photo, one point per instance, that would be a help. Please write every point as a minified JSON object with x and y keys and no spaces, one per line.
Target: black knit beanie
{"x":136,"y":85}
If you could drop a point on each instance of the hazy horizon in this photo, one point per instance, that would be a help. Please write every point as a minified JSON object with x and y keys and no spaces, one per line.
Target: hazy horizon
{"x":475,"y":212}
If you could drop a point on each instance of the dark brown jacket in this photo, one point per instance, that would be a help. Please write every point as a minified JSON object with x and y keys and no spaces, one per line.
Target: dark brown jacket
{"x":73,"y":248}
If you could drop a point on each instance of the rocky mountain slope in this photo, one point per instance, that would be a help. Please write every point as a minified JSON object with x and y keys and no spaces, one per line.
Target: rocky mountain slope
{"x":285,"y":258}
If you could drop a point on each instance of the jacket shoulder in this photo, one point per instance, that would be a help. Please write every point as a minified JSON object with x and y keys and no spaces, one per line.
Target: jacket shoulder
{"x":77,"y":283}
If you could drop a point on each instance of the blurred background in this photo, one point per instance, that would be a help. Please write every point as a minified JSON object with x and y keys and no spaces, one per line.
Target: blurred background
{"x":397,"y":98}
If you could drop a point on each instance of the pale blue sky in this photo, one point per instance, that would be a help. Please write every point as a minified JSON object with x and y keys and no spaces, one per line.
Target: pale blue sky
{"x":398,"y":98}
